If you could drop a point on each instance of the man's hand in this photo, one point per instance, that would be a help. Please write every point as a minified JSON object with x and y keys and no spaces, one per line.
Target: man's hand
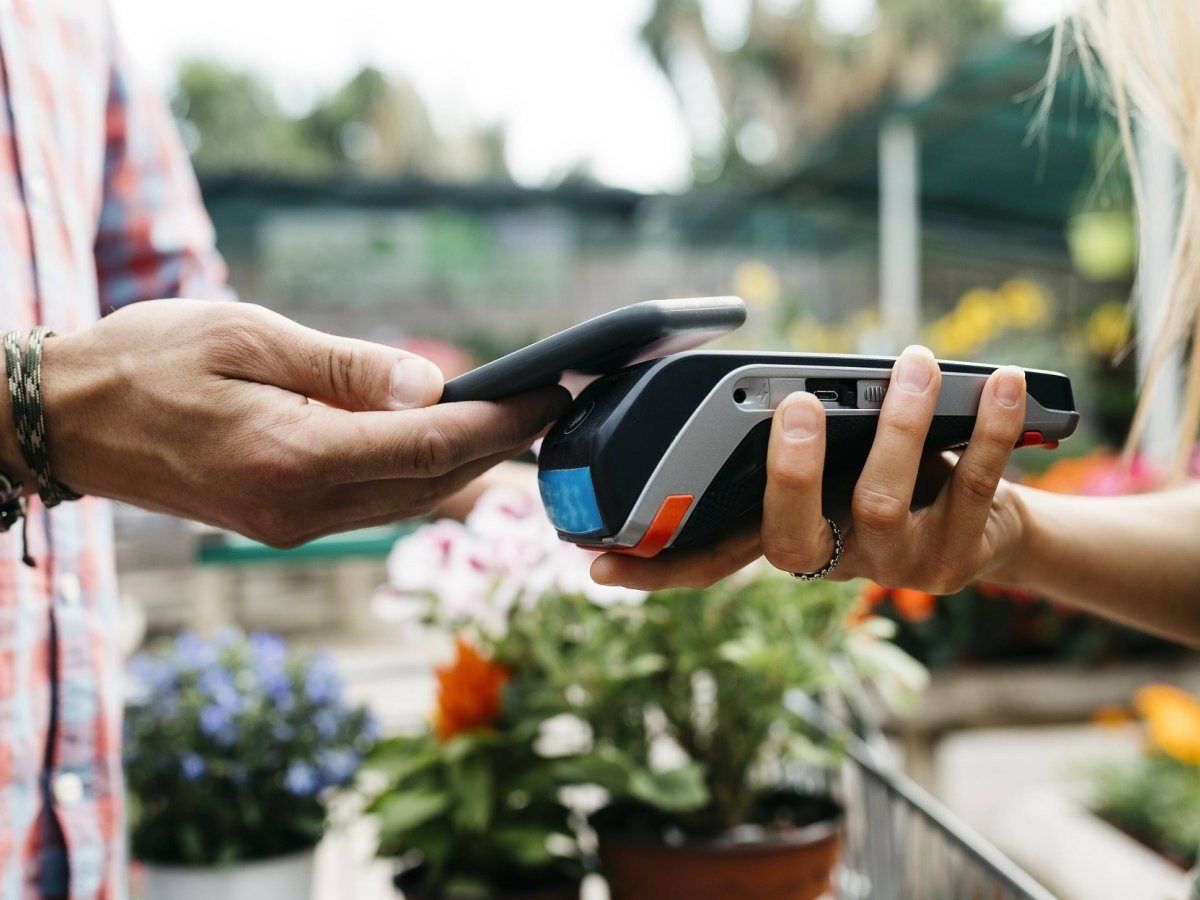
{"x":206,"y":410}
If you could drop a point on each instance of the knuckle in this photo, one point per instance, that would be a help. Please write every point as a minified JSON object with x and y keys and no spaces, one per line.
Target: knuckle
{"x":788,"y":556}
{"x":911,"y":428}
{"x":339,"y":367}
{"x":434,"y":451}
{"x":275,"y":529}
{"x":792,"y":477}
{"x":976,"y":483}
{"x":877,"y":510}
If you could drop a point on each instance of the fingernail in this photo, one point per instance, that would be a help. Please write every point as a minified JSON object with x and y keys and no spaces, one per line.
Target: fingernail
{"x":415,"y":382}
{"x":800,"y":420}
{"x":915,"y":369}
{"x":1010,"y":386}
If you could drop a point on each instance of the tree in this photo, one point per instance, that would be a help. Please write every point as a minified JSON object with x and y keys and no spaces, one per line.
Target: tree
{"x":792,"y":79}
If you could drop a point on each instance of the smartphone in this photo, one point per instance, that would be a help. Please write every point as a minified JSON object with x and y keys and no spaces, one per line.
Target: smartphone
{"x":612,"y":341}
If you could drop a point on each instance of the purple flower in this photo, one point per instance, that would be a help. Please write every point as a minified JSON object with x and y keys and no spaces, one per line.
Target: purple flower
{"x":193,"y":766}
{"x":301,"y":779}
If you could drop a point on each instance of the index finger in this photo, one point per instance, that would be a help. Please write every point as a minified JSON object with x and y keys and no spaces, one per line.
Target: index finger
{"x":432,"y":441}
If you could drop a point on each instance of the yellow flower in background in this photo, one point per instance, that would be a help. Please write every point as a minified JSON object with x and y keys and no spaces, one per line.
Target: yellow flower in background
{"x":757,"y":283}
{"x":1025,"y":303}
{"x":981,"y":311}
{"x":1173,"y":721}
{"x":1109,"y":329}
{"x":804,"y":333}
{"x":835,"y":339}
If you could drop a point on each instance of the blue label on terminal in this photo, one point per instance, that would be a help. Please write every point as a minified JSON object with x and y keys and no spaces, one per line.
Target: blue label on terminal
{"x":570,"y":500}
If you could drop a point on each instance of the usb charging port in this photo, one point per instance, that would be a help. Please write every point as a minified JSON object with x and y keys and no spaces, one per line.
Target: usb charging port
{"x":838,"y":391}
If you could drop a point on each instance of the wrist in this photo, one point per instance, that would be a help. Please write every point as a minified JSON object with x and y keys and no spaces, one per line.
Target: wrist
{"x":1014,"y":557}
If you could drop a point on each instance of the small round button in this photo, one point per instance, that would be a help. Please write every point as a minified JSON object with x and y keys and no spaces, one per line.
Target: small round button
{"x":68,"y":788}
{"x":69,"y":588}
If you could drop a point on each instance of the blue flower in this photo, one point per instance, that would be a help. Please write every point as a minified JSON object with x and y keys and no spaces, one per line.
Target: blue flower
{"x":301,"y":779}
{"x":283,"y":732}
{"x":193,"y":766}
{"x":217,"y":723}
{"x":192,"y":652}
{"x":219,"y":685}
{"x":322,"y":684}
{"x":149,"y":677}
{"x":327,"y":723}
{"x":337,"y":766}
{"x":267,"y":649}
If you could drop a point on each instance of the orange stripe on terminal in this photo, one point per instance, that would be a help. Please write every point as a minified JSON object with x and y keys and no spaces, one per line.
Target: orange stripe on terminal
{"x":662,"y":528}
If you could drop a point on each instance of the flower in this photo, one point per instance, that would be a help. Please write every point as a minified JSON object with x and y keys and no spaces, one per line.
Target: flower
{"x":912,"y":605}
{"x":301,"y":779}
{"x":1173,"y":721}
{"x":192,"y":766}
{"x":468,"y":692}
{"x":1100,"y":474}
{"x":232,"y":712}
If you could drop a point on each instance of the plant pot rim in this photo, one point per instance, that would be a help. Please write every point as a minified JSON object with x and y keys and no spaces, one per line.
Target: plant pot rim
{"x":290,"y":856}
{"x":742,"y":840}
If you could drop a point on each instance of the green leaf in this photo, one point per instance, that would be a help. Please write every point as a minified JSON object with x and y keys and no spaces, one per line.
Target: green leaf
{"x":527,"y":844}
{"x":473,"y":790}
{"x":677,"y":790}
{"x":405,"y":810}
{"x":401,"y":763}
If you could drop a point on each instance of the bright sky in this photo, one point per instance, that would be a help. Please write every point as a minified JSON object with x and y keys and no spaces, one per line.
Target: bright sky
{"x":568,"y":80}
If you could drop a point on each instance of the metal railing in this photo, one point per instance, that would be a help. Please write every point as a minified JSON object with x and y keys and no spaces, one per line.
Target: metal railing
{"x":901,"y":843}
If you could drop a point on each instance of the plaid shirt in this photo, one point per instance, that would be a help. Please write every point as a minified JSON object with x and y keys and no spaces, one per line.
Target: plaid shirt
{"x":98,"y":208}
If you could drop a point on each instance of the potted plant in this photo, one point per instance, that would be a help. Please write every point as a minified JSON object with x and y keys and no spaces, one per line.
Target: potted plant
{"x":1156,"y":798}
{"x":473,"y":805}
{"x":470,"y":807}
{"x":703,"y":678}
{"x":678,"y":700}
{"x":232,"y":746}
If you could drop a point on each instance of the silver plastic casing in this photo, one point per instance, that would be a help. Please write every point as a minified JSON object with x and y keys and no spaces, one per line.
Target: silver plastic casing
{"x":748,"y":395}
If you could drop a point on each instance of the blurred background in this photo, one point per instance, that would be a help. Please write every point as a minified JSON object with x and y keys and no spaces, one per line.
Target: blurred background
{"x":462,"y":177}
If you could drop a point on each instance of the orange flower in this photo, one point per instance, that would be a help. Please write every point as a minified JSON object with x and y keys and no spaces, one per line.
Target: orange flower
{"x":916,"y":606}
{"x":873,"y":594}
{"x":468,"y":692}
{"x":1068,"y":476}
{"x":1173,"y":720}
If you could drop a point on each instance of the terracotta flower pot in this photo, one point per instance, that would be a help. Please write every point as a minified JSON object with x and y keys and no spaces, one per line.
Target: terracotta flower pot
{"x":748,"y":863}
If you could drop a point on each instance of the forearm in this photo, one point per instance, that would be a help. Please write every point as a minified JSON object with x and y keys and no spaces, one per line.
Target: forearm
{"x":1135,"y":559}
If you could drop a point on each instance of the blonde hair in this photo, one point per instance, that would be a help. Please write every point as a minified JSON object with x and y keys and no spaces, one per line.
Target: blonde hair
{"x":1150,"y":54}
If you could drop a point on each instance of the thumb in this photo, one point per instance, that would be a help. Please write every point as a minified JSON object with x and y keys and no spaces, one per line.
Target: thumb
{"x":343,"y":372}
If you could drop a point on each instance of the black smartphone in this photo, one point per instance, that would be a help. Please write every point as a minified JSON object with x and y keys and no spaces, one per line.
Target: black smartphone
{"x":612,"y":341}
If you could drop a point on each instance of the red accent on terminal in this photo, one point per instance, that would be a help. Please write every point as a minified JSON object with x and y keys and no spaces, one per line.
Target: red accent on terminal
{"x":662,"y":528}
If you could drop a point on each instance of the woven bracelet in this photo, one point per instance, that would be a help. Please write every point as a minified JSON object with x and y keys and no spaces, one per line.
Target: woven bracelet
{"x":25,"y":389}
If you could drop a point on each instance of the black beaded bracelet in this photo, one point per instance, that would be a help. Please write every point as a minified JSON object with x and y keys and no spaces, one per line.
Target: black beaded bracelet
{"x":25,"y":390}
